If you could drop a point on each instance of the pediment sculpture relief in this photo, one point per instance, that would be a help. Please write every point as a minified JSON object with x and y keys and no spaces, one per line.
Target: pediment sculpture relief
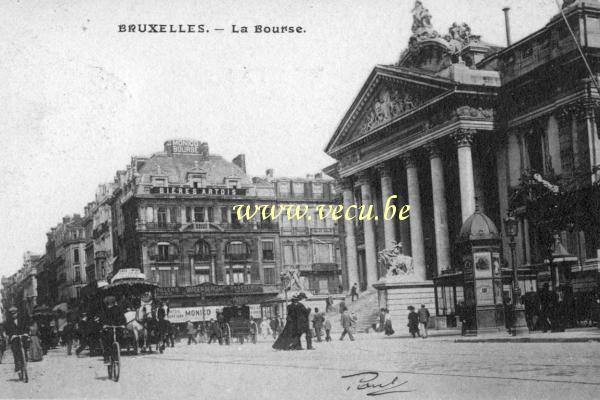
{"x":388,"y":105}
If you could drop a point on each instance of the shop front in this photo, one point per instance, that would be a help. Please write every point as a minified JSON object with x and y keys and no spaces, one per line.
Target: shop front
{"x":202,"y":302}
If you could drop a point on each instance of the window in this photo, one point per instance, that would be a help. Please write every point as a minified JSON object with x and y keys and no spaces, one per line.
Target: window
{"x":288,"y":254}
{"x":199,"y":214}
{"x":317,"y":189}
{"x":284,"y":188}
{"x":303,"y":254}
{"x":210,"y":214}
{"x":162,"y":217}
{"x":159,"y":182}
{"x":200,"y":271}
{"x":102,"y":269}
{"x":323,"y":253}
{"x":237,"y":273}
{"x":77,"y":274}
{"x":267,"y":251}
{"x":173,"y":214}
{"x":233,"y":218}
{"x":149,"y":214}
{"x":188,"y":214}
{"x":270,"y":278}
{"x":233,"y":183}
{"x":237,"y":251}
{"x":163,"y":252}
{"x":298,"y":188}
{"x":202,"y":251}
{"x":75,"y":256}
{"x":225,"y":215}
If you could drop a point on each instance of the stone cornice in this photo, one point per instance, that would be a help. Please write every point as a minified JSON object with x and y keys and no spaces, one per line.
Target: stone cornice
{"x":396,"y":146}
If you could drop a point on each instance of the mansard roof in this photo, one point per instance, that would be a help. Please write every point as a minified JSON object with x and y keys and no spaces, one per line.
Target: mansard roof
{"x":177,"y":166}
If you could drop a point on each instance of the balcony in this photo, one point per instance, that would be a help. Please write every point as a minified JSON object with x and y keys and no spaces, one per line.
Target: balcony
{"x":101,"y":254}
{"x":171,"y":258}
{"x":157,"y":226}
{"x":206,"y":227}
{"x":294,"y":231}
{"x":322,"y":231}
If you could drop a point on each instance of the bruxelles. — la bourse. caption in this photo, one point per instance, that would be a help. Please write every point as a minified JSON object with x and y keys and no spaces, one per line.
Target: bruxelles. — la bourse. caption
{"x":203,"y":28}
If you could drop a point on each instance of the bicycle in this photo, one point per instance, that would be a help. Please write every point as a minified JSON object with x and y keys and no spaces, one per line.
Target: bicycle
{"x":114,"y":365}
{"x":23,"y":376}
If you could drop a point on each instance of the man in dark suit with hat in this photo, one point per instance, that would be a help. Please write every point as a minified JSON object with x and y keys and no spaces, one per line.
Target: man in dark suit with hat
{"x":302,"y":323}
{"x":16,"y":325}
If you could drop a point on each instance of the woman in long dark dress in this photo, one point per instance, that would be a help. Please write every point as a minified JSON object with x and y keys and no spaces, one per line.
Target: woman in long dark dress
{"x":288,"y":338}
{"x":388,"y":323}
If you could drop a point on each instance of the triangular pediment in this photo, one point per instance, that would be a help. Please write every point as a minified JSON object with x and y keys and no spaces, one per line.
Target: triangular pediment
{"x":388,"y":95}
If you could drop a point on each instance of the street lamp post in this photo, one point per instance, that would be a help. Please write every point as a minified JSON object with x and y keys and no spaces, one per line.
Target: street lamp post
{"x":511,"y":226}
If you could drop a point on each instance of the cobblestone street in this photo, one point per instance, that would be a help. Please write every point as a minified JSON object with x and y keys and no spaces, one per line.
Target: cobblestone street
{"x":430,"y":368}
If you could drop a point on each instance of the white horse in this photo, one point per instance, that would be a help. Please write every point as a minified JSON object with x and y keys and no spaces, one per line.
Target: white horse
{"x":135,"y":324}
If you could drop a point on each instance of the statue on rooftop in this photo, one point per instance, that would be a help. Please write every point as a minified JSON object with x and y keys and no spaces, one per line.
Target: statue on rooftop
{"x":422,"y":28}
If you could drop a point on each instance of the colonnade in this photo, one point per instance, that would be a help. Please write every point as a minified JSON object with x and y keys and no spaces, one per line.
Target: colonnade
{"x":463,"y":139}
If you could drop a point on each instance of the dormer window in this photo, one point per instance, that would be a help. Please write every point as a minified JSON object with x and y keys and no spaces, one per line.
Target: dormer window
{"x":159,"y":181}
{"x":197,"y":180}
{"x":232,"y":183}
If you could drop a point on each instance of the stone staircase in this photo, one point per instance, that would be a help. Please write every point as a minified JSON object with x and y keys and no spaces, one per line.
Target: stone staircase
{"x":366,"y":309}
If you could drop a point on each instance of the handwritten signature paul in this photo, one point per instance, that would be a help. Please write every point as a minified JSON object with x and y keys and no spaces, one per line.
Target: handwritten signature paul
{"x":370,"y":382}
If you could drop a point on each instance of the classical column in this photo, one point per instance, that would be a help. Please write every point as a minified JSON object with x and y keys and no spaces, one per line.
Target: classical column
{"x":369,"y":228}
{"x":416,"y":229}
{"x":350,"y":239}
{"x":464,"y":140}
{"x":593,"y":140}
{"x":389,"y":227}
{"x":440,"y":213}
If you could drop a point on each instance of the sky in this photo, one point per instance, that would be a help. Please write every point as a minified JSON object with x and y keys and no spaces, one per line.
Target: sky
{"x":78,"y":99}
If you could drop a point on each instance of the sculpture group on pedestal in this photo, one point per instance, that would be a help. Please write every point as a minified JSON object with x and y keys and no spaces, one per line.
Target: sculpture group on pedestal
{"x":399,"y":267}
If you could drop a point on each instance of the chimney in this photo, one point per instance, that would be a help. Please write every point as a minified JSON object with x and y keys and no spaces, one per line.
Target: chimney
{"x":319,"y":175}
{"x":507,"y":24}
{"x":240,"y":161}
{"x":66,"y":219}
{"x":309,"y":177}
{"x":269,"y":173}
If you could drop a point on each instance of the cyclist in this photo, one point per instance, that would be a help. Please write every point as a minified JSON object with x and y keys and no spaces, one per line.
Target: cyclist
{"x":14,"y":326}
{"x":113,"y":315}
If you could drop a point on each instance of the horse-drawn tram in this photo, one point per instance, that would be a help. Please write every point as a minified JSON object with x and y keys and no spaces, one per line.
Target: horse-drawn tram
{"x":145,"y":319}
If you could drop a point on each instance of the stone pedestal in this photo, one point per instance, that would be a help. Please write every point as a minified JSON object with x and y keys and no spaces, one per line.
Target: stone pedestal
{"x":397,"y":296}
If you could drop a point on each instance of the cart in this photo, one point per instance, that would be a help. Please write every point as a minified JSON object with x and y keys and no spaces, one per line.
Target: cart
{"x":238,"y":324}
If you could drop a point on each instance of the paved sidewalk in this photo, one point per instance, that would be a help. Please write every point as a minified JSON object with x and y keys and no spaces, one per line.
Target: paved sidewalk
{"x":577,"y":335}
